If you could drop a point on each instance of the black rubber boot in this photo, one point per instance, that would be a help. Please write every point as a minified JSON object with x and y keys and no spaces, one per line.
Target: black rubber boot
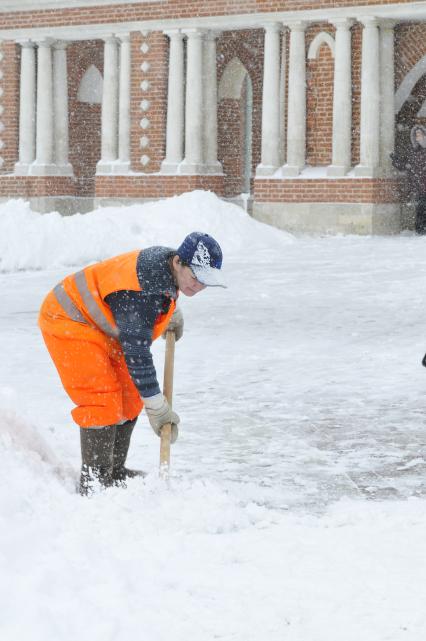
{"x":123,"y":434}
{"x":97,"y":454}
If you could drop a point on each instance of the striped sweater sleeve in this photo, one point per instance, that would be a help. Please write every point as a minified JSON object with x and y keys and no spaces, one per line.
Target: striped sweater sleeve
{"x":135,"y":314}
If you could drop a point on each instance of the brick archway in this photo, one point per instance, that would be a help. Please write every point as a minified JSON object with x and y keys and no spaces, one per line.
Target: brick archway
{"x":235,"y":107}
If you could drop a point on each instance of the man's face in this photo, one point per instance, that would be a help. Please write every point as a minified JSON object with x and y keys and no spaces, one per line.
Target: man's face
{"x":420,"y":137}
{"x":185,"y":279}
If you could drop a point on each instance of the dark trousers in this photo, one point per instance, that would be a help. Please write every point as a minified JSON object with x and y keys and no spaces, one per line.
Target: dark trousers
{"x":421,"y":214}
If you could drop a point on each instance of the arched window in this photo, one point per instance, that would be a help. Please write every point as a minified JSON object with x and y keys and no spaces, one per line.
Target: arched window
{"x":90,"y":88}
{"x":317,"y":42}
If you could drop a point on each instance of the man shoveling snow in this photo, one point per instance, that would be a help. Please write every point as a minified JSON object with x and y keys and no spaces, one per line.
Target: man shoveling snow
{"x":98,"y":325}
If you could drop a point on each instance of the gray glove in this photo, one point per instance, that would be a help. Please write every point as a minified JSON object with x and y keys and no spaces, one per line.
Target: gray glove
{"x":159,"y":413}
{"x":176,"y":324}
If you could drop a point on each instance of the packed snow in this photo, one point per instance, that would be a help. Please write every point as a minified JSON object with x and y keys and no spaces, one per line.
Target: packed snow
{"x":296,"y":508}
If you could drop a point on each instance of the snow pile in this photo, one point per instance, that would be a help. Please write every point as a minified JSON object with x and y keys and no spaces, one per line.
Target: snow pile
{"x":29,"y":240}
{"x":301,"y":398}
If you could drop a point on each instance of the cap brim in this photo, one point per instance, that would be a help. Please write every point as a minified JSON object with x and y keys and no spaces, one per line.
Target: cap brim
{"x":208,"y":276}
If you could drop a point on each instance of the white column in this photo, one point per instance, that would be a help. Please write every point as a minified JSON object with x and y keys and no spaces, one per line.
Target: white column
{"x":212,"y":165}
{"x":283,"y":87}
{"x":370,"y":100}
{"x":44,"y":162}
{"x":270,"y":153}
{"x":109,"y":126}
{"x":387,"y":105}
{"x":175,"y":103}
{"x":60,"y":108}
{"x":296,"y":118}
{"x":124,"y":105}
{"x":27,"y":108}
{"x":194,"y":156}
{"x":342,"y":100}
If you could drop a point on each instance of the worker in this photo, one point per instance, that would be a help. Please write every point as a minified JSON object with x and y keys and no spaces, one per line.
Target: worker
{"x":98,"y":325}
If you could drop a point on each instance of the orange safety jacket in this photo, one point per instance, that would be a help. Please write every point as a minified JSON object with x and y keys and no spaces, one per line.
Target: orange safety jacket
{"x":82,"y":295}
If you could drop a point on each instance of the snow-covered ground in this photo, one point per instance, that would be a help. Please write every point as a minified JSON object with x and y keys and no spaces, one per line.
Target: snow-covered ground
{"x":297,"y":506}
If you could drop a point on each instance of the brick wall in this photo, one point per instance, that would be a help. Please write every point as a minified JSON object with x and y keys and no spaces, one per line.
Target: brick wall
{"x":409,"y":49}
{"x":319,"y":107}
{"x":34,"y":186}
{"x":247,"y":46}
{"x":362,"y":190}
{"x":84,"y":118}
{"x":154,"y":186}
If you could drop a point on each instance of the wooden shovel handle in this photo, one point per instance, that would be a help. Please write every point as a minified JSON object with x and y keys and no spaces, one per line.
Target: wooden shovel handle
{"x":166,"y":430}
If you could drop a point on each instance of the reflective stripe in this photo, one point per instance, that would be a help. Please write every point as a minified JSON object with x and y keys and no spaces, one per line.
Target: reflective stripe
{"x":92,"y":307}
{"x":68,"y":305}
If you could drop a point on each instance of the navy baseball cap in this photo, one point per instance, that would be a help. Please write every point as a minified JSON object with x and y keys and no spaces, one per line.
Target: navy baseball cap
{"x":202,"y":253}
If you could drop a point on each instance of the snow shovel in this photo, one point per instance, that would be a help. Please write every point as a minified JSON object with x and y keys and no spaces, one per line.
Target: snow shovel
{"x":166,"y":430}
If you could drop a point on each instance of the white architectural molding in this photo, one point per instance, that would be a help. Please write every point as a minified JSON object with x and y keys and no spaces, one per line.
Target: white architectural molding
{"x":370,"y":100}
{"x":410,"y":11}
{"x":193,"y":162}
{"x":321,"y":38}
{"x":422,"y":111}
{"x":44,"y":162}
{"x":27,"y":108}
{"x":175,"y":103}
{"x":91,"y":86}
{"x":60,"y":109}
{"x":342,"y":100}
{"x":409,"y":82}
{"x":270,"y":152}
{"x":296,"y":114}
{"x":387,"y":95}
{"x":109,"y":126}
{"x":211,"y":163}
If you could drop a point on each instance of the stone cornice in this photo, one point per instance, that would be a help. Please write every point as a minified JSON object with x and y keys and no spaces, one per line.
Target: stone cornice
{"x":399,"y":12}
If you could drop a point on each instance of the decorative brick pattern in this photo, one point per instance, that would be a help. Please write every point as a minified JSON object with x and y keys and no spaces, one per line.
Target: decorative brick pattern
{"x":148,"y":101}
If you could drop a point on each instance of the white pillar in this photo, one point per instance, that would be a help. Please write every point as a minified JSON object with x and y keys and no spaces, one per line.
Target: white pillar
{"x":44,"y":162}
{"x":387,"y":105}
{"x":212,"y":165}
{"x":283,"y":88}
{"x":370,"y":101}
{"x":175,"y":103}
{"x":270,"y":153}
{"x":27,"y":108}
{"x":194,"y":156}
{"x":342,"y":100}
{"x":60,"y":108}
{"x":109,"y":126}
{"x":124,"y":104}
{"x":296,"y":118}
